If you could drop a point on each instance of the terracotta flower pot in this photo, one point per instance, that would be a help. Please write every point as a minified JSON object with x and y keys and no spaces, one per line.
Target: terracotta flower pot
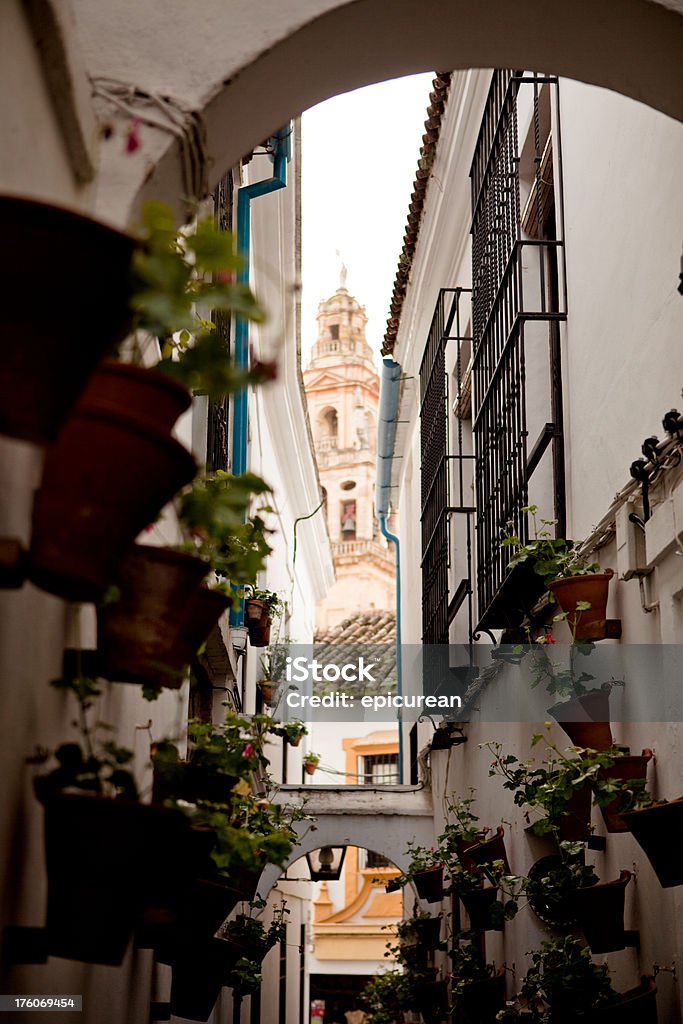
{"x":148,"y":396}
{"x":56,"y":330}
{"x":659,"y":831}
{"x":637,"y":1006}
{"x":600,"y":913}
{"x":429,"y":884}
{"x":310,"y":767}
{"x":624,"y":768}
{"x":481,"y":1001}
{"x":593,"y":588}
{"x":586,"y":720}
{"x":104,"y":480}
{"x":202,"y":612}
{"x":105,"y":859}
{"x":259,"y":632}
{"x":575,"y":825}
{"x":489,"y":850}
{"x":254,"y":611}
{"x":267,"y":691}
{"x":140,"y":636}
{"x":478,"y":905}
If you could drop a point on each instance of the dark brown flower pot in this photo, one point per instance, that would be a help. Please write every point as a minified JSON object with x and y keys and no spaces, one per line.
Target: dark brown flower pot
{"x":429,"y":884}
{"x":52,"y":337}
{"x":254,"y":611}
{"x":198,"y":976}
{"x":575,"y":825}
{"x":586,"y":720}
{"x":600,"y":913}
{"x":148,"y":396}
{"x":594,"y":588}
{"x":140,"y":636}
{"x":659,"y":831}
{"x":637,"y":1006}
{"x":624,"y":768}
{"x":478,"y":905}
{"x":259,"y":631}
{"x":104,"y":480}
{"x":267,"y":691}
{"x":428,"y":932}
{"x":105,"y":860}
{"x":202,"y":612}
{"x":432,"y":999}
{"x":489,"y":850}
{"x":481,"y":1001}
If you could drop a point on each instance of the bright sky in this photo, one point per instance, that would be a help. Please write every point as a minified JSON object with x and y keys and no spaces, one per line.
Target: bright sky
{"x":359,"y":157}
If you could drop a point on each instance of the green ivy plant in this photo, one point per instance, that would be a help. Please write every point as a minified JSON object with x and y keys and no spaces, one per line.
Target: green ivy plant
{"x":385,"y":995}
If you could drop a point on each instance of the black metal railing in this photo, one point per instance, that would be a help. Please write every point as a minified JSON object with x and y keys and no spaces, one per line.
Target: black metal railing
{"x":444,"y":478}
{"x":517,"y":304}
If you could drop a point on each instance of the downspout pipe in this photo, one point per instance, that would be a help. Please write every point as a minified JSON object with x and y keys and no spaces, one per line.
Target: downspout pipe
{"x":280,"y":155}
{"x":390,"y":388}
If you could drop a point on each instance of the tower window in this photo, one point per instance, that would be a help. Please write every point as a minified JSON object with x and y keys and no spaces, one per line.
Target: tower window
{"x":329,"y":422}
{"x":334,"y":332}
{"x":348,"y":520}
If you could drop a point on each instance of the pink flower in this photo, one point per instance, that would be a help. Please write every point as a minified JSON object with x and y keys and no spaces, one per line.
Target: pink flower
{"x":248,"y":751}
{"x":133,"y":141}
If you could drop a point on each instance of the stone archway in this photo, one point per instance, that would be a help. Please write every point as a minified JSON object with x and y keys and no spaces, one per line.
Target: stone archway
{"x":383,"y":820}
{"x":246,"y":69}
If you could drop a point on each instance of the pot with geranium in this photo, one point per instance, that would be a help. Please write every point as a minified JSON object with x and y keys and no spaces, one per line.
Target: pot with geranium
{"x":310,"y":762}
{"x":115,"y":465}
{"x":576,"y":584}
{"x":484,"y":903}
{"x":260,"y":607}
{"x":160,"y":612}
{"x":621,"y":785}
{"x":419,"y":935}
{"x":563,"y":986}
{"x":463,"y":837}
{"x":426,"y":872}
{"x":107,"y":854}
{"x":292,"y":732}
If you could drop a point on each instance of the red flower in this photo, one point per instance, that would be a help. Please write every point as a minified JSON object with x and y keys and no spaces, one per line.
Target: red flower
{"x":248,"y":751}
{"x":133,"y":141}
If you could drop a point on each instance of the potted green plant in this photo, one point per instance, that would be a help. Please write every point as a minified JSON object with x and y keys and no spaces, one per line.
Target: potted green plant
{"x":486,"y":909}
{"x":563,"y":985}
{"x":426,"y":872}
{"x":293,"y":732}
{"x":311,"y":762}
{"x":622,"y":786}
{"x":161,"y":613}
{"x":559,"y":788}
{"x":578,"y":585}
{"x":107,"y":854}
{"x":260,"y":606}
{"x":385,"y":996}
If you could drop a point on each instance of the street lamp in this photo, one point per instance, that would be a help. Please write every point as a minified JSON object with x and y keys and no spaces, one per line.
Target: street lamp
{"x":325,"y":864}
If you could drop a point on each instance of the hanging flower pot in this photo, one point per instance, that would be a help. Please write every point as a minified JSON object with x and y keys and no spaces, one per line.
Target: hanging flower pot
{"x":575,"y":824}
{"x":637,"y":1006}
{"x":140,"y":636}
{"x":600,"y":913}
{"x":481,"y":1000}
{"x":478,"y":905}
{"x":429,"y":883}
{"x":489,"y":850}
{"x":254,"y":611}
{"x":104,"y":859}
{"x":593,"y":589}
{"x":586,"y":719}
{"x":104,"y":480}
{"x":259,"y":631}
{"x":146,"y":395}
{"x":432,"y":1000}
{"x":659,"y":831}
{"x":632,"y":766}
{"x":267,"y":693}
{"x":58,"y":323}
{"x":199,"y":975}
{"x":310,"y":766}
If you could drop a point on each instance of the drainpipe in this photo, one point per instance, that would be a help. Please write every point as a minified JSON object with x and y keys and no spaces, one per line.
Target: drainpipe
{"x":386,"y":439}
{"x":281,"y":154}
